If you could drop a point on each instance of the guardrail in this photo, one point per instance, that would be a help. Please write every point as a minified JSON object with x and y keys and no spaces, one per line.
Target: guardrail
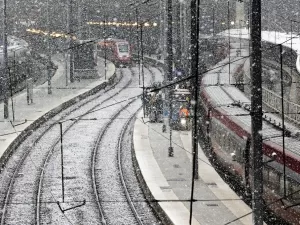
{"x":272,"y":101}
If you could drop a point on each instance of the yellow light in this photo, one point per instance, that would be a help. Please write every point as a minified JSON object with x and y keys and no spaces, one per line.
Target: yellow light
{"x":155,"y":24}
{"x":146,"y":24}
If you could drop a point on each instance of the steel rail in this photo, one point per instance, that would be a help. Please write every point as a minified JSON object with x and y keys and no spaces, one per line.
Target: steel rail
{"x":119,"y":149}
{"x":95,"y":150}
{"x":21,"y":161}
{"x":57,"y":141}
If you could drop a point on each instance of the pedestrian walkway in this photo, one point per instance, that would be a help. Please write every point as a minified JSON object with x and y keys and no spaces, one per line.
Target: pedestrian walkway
{"x":24,"y":114}
{"x":169,"y":179}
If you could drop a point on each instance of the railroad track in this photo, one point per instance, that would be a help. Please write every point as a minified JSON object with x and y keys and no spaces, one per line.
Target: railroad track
{"x":32,"y":179}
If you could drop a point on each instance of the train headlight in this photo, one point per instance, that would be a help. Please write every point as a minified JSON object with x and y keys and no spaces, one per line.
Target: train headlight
{"x":183,"y":121}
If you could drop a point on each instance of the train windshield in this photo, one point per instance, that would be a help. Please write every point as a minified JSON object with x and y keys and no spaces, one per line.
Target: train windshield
{"x":123,"y":47}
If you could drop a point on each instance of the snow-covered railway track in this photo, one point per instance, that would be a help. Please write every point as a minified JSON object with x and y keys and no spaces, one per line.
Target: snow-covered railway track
{"x":19,"y":163}
{"x":117,"y":201}
{"x":111,"y":175}
{"x":31,"y":183}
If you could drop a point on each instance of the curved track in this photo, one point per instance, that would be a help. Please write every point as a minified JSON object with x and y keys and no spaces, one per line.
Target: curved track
{"x":31,"y":185}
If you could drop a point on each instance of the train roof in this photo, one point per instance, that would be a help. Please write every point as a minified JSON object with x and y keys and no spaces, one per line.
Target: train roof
{"x":235,"y":105}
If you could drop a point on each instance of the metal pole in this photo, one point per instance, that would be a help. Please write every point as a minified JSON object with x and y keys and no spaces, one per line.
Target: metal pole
{"x":194,"y":72}
{"x":240,"y":36}
{"x":62,"y":162}
{"x":68,"y":45}
{"x":170,"y":66}
{"x":5,"y":62}
{"x":137,"y":41}
{"x":105,"y":51}
{"x":291,"y":67}
{"x":228,"y":18}
{"x":282,"y":117}
{"x":71,"y":33}
{"x":256,"y":115}
{"x":213,"y":21}
{"x":142,"y":63}
{"x":161,"y":28}
{"x":48,"y":51}
{"x":11,"y":95}
{"x":79,"y":19}
{"x":178,"y":41}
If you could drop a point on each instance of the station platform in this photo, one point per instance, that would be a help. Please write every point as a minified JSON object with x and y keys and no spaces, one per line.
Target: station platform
{"x":24,"y":114}
{"x":169,"y":179}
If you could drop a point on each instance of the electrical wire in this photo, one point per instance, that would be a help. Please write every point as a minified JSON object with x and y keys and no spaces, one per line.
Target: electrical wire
{"x":209,"y":70}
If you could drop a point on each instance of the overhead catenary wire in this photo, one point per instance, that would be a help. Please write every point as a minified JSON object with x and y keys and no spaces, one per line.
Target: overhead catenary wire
{"x":190,"y":77}
{"x":209,"y":70}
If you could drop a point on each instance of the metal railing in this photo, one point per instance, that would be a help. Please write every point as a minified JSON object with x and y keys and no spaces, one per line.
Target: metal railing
{"x":273,"y":101}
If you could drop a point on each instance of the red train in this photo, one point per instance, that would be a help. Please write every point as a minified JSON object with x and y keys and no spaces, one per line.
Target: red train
{"x":115,"y":50}
{"x":226,"y":126}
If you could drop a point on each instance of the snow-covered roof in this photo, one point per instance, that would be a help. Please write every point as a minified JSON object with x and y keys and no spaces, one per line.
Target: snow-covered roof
{"x":274,"y":37}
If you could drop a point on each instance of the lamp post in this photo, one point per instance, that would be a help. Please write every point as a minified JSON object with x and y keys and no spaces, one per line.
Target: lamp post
{"x":48,"y":51}
{"x":5,"y":62}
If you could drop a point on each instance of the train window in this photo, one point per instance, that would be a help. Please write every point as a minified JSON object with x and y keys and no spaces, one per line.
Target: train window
{"x":123,"y":48}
